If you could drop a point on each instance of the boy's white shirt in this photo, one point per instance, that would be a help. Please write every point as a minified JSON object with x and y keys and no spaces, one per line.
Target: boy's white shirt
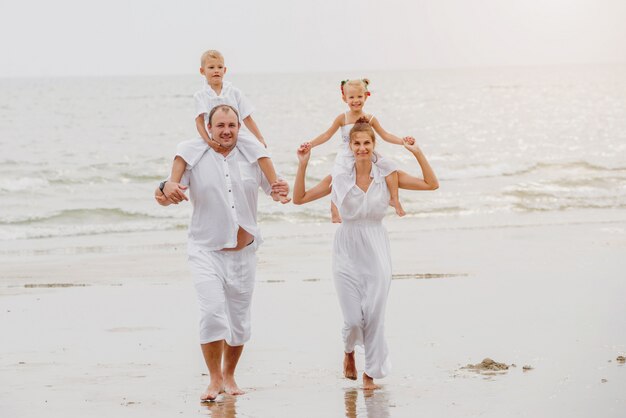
{"x":206,"y":99}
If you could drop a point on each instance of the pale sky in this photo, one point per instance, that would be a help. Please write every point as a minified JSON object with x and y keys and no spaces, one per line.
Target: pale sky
{"x":155,"y":37}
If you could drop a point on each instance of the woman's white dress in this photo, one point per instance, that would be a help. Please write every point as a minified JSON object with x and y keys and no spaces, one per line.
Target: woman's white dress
{"x":362,"y":266}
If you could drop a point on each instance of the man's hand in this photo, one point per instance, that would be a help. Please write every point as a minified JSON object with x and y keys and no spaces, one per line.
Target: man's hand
{"x":175,"y":192}
{"x":280,"y":191}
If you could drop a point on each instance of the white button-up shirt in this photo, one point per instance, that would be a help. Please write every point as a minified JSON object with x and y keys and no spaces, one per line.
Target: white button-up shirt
{"x":206,"y":99}
{"x":224,"y":194}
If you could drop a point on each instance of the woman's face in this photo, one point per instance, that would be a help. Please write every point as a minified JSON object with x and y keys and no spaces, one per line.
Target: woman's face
{"x":362,"y":145}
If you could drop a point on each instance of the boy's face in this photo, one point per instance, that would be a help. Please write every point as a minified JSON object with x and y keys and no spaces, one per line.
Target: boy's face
{"x":213,"y":70}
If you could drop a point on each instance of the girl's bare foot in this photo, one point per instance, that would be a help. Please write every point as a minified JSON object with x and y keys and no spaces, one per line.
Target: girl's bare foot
{"x":230,"y":387}
{"x":368,"y":383}
{"x":397,"y":206}
{"x":349,"y":366}
{"x":211,"y":392}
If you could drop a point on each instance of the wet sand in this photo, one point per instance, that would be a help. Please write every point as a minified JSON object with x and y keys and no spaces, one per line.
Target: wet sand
{"x":105,"y":325}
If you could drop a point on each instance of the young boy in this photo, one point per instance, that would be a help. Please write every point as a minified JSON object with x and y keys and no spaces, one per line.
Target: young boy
{"x":216,"y":92}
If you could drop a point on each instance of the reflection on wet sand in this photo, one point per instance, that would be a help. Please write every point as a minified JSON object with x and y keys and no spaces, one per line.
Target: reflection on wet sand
{"x":376,"y":404}
{"x":223,"y":407}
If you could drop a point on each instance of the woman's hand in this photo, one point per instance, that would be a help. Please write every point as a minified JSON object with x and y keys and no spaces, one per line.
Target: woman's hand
{"x":304,"y":152}
{"x":411,"y":145}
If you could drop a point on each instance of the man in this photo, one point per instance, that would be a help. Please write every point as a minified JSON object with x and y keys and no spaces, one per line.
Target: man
{"x":223,"y":237}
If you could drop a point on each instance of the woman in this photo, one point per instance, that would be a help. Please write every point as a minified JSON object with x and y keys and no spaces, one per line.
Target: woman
{"x":361,"y":257}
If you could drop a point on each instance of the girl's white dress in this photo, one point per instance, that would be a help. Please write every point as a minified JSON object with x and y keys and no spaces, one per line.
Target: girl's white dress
{"x":362,"y":266}
{"x":206,"y":99}
{"x":344,"y":161}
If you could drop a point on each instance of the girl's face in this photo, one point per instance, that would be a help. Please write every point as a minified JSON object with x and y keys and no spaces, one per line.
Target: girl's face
{"x":362,"y":145}
{"x":355,"y":97}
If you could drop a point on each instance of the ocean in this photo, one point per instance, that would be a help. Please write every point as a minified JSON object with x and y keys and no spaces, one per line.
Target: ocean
{"x":82,"y":156}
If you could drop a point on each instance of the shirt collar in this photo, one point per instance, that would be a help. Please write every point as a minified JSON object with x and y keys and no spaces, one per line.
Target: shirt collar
{"x":225,"y":87}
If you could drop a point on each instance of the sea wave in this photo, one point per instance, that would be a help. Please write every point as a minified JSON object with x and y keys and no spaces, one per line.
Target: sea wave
{"x":98,"y":215}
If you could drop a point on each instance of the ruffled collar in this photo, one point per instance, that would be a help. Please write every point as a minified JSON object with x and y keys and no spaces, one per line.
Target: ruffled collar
{"x":226,"y":85}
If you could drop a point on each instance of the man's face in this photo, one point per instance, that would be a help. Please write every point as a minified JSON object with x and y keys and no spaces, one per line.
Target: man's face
{"x":224,"y":127}
{"x":213,"y":70}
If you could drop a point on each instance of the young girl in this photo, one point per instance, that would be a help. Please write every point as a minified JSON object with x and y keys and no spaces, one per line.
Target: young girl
{"x":355,"y":93}
{"x":216,"y":91}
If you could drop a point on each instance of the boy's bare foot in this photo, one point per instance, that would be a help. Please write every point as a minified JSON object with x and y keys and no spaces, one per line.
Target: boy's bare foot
{"x":230,"y":387}
{"x":398,"y":207}
{"x":211,"y":392}
{"x":368,"y":383}
{"x":349,"y":366}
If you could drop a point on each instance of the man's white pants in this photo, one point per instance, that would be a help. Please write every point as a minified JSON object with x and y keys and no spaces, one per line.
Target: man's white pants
{"x":224,"y":282}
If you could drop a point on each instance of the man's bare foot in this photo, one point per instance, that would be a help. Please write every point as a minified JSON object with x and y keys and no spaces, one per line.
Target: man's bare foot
{"x":397,"y":206}
{"x":231,"y":388}
{"x":211,"y":392}
{"x":368,"y":383}
{"x":349,"y":366}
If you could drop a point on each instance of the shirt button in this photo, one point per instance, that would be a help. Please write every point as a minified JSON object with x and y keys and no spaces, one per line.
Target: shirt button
{"x":233,"y":207}
{"x":226,"y":175}
{"x":229,"y":191}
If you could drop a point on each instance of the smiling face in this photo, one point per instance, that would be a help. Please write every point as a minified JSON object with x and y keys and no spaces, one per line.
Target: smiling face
{"x":224,"y":126}
{"x":213,"y":70}
{"x":362,"y":145}
{"x":355,"y":96}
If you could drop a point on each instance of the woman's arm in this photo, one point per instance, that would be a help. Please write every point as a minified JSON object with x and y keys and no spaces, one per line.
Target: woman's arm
{"x":389,"y":137}
{"x":300,"y":194}
{"x":319,"y":140}
{"x":409,"y":182}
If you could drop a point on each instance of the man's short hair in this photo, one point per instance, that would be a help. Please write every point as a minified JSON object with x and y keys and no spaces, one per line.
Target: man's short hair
{"x":225,"y":108}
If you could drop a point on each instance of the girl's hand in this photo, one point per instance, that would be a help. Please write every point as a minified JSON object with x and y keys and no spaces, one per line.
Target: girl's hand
{"x":304,"y":152}
{"x":411,"y":145}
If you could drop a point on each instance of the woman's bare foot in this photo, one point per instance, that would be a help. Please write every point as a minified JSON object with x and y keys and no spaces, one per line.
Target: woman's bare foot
{"x":397,"y":206}
{"x":349,"y":366}
{"x":230,"y":387}
{"x":211,"y":392}
{"x":368,"y":383}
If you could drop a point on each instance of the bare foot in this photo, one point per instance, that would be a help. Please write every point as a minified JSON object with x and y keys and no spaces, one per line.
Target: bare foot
{"x":368,"y":383}
{"x":349,"y":366}
{"x":398,"y":207}
{"x":211,"y":392}
{"x":230,"y":387}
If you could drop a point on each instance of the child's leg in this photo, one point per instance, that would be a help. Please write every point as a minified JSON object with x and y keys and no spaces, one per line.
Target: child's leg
{"x":334,"y":214}
{"x":267,"y":167}
{"x":392,"y":185}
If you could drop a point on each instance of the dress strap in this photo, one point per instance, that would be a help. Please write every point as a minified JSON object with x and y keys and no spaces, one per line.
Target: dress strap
{"x":345,"y":118}
{"x":371,"y":117}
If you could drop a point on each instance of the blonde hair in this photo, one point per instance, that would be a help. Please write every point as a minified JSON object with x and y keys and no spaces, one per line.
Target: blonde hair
{"x":211,"y":53}
{"x":362,"y":84}
{"x":362,"y":125}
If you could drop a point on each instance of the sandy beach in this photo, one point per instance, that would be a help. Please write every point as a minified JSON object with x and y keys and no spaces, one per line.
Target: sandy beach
{"x":107,"y":325}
